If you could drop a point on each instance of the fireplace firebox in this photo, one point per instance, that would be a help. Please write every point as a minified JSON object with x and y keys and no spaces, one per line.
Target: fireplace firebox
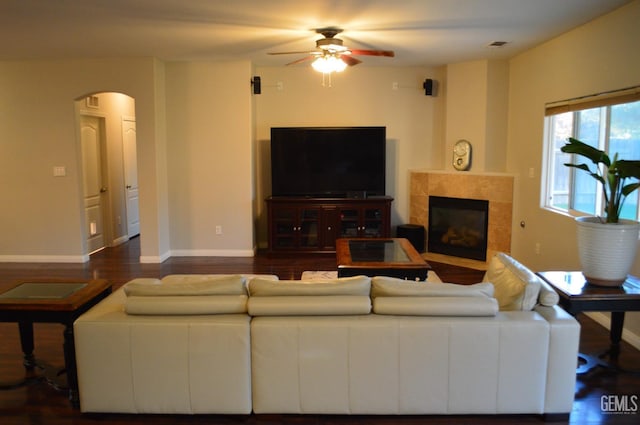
{"x":458,"y":227}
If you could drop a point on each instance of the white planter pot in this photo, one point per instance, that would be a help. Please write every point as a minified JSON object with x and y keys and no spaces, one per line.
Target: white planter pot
{"x":606,"y":251}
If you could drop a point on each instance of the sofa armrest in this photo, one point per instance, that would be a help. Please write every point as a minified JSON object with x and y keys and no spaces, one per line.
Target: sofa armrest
{"x":564,"y":340}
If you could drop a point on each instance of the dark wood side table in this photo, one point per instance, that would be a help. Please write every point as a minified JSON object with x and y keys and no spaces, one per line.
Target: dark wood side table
{"x":577,"y":296}
{"x":51,"y":302}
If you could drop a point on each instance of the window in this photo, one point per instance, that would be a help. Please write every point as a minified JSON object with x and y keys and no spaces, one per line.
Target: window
{"x":610,"y":122}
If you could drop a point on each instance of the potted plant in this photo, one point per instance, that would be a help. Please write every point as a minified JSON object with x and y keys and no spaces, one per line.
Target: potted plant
{"x":607,"y":247}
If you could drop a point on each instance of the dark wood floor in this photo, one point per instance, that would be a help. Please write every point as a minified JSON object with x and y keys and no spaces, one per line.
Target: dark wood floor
{"x":41,"y":404}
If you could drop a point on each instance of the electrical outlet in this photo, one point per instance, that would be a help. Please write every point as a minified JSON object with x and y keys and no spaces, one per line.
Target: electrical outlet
{"x":537,"y":247}
{"x":218,"y":230}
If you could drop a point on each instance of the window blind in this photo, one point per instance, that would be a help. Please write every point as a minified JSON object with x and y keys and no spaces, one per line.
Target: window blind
{"x":614,"y":97}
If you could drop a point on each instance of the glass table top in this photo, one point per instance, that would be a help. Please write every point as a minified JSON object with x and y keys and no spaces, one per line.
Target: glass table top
{"x":377,"y":251}
{"x":49,"y":291}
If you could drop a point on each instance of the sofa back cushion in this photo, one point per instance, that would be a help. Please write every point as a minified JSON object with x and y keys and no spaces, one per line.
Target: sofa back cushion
{"x":182,"y":285}
{"x":356,"y":285}
{"x":382,"y":286}
{"x":315,"y":297}
{"x":394,"y":296}
{"x":188,"y":294}
{"x":185,"y":305}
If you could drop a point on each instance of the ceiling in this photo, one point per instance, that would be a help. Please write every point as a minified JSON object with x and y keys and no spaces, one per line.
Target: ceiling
{"x":421,"y":32}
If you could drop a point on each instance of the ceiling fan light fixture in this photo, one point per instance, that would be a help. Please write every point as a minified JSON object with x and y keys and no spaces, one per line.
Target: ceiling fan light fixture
{"x":330,"y":44}
{"x":331,"y":55}
{"x":328,"y":64}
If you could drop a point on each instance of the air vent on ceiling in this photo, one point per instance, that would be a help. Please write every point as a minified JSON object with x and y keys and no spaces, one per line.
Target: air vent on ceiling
{"x":496,"y":44}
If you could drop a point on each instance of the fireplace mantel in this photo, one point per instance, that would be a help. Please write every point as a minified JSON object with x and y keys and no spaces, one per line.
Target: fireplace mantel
{"x":497,"y":188}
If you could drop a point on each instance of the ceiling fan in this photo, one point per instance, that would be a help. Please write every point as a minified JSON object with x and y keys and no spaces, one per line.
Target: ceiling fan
{"x":331,"y":50}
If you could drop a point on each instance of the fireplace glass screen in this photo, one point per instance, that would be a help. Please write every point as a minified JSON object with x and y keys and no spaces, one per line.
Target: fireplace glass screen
{"x":458,"y":227}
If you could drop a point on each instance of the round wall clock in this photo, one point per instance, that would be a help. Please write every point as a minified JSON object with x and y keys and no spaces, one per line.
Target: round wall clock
{"x":462,"y":155}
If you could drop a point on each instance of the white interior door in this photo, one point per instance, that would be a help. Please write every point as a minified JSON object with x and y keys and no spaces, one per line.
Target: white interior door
{"x":94,"y":189}
{"x":131,"y":176}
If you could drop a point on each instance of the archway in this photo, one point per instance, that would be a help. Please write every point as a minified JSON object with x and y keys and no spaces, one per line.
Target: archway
{"x":107,"y":139}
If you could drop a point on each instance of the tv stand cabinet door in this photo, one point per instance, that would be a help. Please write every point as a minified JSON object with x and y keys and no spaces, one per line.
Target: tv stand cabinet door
{"x":329,"y":228}
{"x":364,"y":220}
{"x":294,"y":226}
{"x":375,"y":221}
{"x":282,"y":226}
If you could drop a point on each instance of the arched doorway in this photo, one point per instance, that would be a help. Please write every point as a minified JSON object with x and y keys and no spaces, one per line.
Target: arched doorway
{"x":107,"y":138}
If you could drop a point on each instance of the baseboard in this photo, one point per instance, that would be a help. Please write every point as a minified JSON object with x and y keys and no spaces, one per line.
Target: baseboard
{"x":627,"y":336}
{"x":154,"y":259}
{"x":56,"y":258}
{"x":212,"y":253}
{"x":144,"y":259}
{"x":120,"y":240}
{"x":44,"y":258}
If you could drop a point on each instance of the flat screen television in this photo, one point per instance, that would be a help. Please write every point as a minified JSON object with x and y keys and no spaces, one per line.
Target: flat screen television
{"x":328,"y":161}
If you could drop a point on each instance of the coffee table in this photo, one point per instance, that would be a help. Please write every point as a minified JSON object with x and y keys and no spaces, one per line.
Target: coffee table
{"x":50,"y":302}
{"x":394,"y":257}
{"x":577,"y":296}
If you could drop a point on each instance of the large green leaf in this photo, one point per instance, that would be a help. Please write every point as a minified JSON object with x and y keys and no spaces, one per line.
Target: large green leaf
{"x":612,"y":176}
{"x":586,"y":168}
{"x":626,"y":168}
{"x":579,"y":148}
{"x":628,"y":189}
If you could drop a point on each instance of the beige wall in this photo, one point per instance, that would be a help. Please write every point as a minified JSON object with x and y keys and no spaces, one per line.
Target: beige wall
{"x":210,"y":167}
{"x":467,"y":110}
{"x":41,"y":215}
{"x":476,"y":105}
{"x":360,"y":96}
{"x":206,"y":109}
{"x":600,"y":56}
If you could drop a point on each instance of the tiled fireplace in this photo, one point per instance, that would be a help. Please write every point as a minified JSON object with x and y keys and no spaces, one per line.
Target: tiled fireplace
{"x":495,"y":188}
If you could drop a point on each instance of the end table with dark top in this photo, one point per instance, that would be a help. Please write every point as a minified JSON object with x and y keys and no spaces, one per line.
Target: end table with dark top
{"x":577,"y":296}
{"x":393,"y":257}
{"x":51,"y":302}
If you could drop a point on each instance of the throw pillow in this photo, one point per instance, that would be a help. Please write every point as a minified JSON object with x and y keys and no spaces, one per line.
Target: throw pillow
{"x":516,"y":287}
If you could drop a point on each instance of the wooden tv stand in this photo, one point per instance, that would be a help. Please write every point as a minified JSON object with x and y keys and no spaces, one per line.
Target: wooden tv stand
{"x":312,"y":225}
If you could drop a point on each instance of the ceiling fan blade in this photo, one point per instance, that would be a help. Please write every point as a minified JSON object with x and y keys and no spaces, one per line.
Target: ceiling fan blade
{"x":288,"y":53}
{"x":306,"y":58}
{"x":350,"y":60}
{"x":387,"y":53}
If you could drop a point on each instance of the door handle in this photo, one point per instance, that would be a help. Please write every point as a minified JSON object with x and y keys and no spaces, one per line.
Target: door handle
{"x":128,"y":186}
{"x":103,"y":189}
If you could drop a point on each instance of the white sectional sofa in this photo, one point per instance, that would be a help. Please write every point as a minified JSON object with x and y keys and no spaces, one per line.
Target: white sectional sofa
{"x":241,"y":344}
{"x":149,"y":348}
